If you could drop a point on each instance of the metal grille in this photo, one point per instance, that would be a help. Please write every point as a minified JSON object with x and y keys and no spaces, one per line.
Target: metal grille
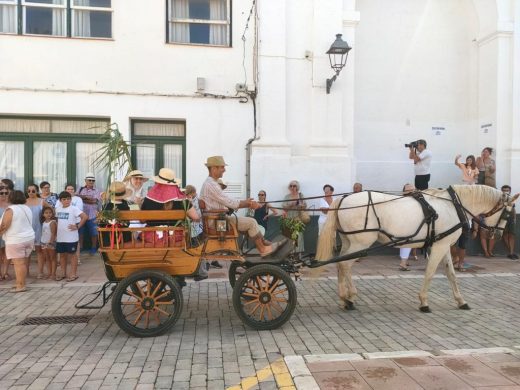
{"x":55,"y":320}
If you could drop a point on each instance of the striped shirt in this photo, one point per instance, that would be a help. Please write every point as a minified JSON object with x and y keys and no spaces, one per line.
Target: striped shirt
{"x":214,"y":197}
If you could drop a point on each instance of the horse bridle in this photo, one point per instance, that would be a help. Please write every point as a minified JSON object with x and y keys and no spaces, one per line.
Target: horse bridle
{"x":505,"y":215}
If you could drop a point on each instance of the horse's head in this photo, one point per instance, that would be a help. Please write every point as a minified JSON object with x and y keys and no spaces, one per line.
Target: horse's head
{"x":496,"y":219}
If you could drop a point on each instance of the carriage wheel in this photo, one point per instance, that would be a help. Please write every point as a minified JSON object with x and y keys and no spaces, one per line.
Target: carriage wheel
{"x":264,"y":297}
{"x":236,"y":270}
{"x":153,"y":309}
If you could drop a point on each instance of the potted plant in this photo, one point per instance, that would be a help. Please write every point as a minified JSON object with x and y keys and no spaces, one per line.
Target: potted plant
{"x":291,"y":227}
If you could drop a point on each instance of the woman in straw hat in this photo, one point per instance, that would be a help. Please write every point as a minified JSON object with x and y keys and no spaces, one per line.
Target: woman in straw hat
{"x":116,"y":199}
{"x":134,"y":182}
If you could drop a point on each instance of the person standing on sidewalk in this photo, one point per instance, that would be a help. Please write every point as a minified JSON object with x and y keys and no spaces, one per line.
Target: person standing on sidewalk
{"x":422,"y":159}
{"x":18,"y":234}
{"x":91,"y":205}
{"x":510,"y":229}
{"x":70,"y":220}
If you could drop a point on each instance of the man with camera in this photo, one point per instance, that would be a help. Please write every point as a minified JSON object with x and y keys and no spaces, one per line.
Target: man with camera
{"x":422,"y":159}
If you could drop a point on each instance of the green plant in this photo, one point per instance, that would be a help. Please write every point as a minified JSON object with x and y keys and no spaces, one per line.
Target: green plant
{"x":114,"y":155}
{"x":291,"y":227}
{"x":108,"y":217}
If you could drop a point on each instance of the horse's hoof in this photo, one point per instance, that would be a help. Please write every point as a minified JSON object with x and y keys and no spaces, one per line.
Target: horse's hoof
{"x":465,"y":307}
{"x":349,"y":305}
{"x":425,"y":309}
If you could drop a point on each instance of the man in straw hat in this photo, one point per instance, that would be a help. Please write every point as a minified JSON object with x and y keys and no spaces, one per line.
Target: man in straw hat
{"x":134,"y":181}
{"x":91,"y":197}
{"x":214,"y":197}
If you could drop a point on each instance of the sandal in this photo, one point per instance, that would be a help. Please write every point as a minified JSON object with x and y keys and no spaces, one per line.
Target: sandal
{"x":58,"y":278}
{"x":72,"y":278}
{"x":14,"y":290}
{"x":401,"y":268}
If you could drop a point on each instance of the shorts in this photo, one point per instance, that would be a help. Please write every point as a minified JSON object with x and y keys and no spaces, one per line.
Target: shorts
{"x":19,"y":251}
{"x":510,"y":227}
{"x":463,"y":239}
{"x":89,"y":226}
{"x":66,"y":247}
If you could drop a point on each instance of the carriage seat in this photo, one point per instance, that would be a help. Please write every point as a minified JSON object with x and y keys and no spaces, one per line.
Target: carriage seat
{"x":209,"y":222}
{"x":172,"y":235}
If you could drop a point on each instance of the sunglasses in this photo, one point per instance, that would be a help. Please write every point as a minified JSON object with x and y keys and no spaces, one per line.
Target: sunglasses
{"x":32,"y":191}
{"x":293,"y":186}
{"x":46,"y":188}
{"x":90,"y":180}
{"x":4,"y":193}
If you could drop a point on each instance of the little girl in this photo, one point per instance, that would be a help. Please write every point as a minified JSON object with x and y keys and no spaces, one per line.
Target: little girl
{"x":48,"y":241}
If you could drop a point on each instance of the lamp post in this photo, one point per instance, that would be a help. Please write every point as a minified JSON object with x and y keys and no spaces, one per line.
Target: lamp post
{"x":338,"y":54}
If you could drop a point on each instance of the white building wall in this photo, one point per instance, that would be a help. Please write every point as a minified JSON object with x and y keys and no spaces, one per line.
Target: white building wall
{"x":138,"y":75}
{"x":415,"y":69}
{"x":415,"y":65}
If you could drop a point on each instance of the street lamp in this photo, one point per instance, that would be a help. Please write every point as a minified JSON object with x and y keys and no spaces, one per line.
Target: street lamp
{"x":338,"y":54}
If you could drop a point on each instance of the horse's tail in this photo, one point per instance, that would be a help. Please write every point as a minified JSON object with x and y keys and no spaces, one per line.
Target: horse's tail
{"x":327,"y":237}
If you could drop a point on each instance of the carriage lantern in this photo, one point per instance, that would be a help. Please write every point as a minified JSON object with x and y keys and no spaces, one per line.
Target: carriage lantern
{"x":338,"y":54}
{"x":221,"y":225}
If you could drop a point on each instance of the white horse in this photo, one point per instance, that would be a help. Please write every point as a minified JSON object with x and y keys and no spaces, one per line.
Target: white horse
{"x":369,"y":214}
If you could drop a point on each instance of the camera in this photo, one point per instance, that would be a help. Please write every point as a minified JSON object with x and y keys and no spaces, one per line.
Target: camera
{"x":413,"y":144}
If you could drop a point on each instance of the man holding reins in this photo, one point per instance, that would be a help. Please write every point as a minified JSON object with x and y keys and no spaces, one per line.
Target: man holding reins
{"x":215,"y":198}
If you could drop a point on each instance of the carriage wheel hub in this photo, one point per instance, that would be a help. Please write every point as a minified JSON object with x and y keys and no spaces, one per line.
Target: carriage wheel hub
{"x":147,"y":303}
{"x":264,"y":298}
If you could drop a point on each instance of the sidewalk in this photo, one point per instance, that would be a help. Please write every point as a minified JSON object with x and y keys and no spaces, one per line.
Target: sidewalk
{"x":385,"y":344}
{"x":483,"y":369}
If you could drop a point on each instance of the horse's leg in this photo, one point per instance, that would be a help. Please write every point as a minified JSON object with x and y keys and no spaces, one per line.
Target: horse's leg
{"x":346,"y":289}
{"x":450,"y":273}
{"x":437,"y":254}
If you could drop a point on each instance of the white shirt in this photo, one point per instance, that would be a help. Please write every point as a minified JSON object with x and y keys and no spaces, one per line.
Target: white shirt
{"x":422,"y":167}
{"x":214,"y":197}
{"x":323,"y":205}
{"x":21,"y":229}
{"x":67,"y":216}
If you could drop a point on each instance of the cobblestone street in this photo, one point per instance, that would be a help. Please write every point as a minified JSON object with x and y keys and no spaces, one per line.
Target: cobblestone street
{"x":210,"y":348}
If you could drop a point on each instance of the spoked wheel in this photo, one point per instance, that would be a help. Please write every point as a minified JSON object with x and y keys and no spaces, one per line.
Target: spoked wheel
{"x":264,"y":297}
{"x":236,"y":270}
{"x":147,"y":303}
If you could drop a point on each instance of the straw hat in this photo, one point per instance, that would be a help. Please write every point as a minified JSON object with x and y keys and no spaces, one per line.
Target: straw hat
{"x":118,"y":191}
{"x":90,"y":176}
{"x":166,"y":176}
{"x":135,"y":173}
{"x":215,"y":161}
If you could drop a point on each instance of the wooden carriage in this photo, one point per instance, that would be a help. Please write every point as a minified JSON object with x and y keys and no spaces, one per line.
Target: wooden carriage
{"x":147,"y":265}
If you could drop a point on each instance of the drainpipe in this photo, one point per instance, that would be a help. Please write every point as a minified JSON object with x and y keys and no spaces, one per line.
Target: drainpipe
{"x":249,"y":146}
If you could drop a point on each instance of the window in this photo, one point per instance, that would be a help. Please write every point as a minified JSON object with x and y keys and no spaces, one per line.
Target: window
{"x":91,"y":18}
{"x":158,"y":144}
{"x":57,"y":150}
{"x":61,"y":18}
{"x":8,"y":16}
{"x":205,"y":22}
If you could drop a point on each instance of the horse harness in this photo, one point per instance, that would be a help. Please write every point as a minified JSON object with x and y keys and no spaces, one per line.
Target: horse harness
{"x":430,"y":216}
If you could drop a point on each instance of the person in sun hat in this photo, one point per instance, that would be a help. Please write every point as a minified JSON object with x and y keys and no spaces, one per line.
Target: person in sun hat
{"x":215,"y":198}
{"x":166,"y":195}
{"x":91,"y":197}
{"x":134,"y":181}
{"x":116,"y":196}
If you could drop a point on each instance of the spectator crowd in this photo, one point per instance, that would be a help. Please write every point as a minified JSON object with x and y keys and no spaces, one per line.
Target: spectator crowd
{"x":56,"y":226}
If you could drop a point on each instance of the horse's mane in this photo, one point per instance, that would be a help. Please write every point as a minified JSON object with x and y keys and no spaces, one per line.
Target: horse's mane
{"x":478,"y":193}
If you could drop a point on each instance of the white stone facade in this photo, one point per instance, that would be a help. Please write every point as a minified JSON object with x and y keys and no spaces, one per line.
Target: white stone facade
{"x":415,"y":65}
